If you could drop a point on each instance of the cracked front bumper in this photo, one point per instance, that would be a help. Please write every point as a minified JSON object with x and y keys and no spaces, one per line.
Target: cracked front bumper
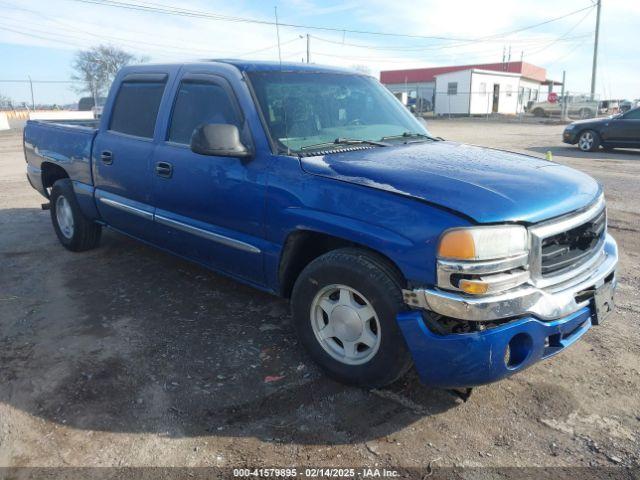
{"x":470,"y":359}
{"x":545,"y":303}
{"x":546,"y":322}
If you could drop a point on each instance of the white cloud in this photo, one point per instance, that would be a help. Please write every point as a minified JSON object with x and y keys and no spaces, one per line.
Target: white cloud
{"x":169,"y":38}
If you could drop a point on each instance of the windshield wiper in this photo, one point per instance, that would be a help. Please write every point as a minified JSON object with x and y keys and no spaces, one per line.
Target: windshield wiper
{"x":409,"y":135}
{"x":344,"y":141}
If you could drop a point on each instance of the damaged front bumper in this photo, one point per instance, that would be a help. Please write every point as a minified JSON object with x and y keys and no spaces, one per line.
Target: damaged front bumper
{"x":544,"y":303}
{"x":545,"y":321}
{"x":470,"y":359}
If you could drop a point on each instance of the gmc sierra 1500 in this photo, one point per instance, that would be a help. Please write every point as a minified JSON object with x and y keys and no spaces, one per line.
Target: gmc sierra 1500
{"x":315,"y":183}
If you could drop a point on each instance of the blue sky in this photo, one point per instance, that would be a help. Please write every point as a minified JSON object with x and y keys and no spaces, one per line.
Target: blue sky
{"x":39,"y":38}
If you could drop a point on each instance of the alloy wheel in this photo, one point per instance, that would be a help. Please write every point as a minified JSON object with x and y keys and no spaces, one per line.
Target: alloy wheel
{"x":345,"y":324}
{"x":64,"y":217}
{"x":586,"y":141}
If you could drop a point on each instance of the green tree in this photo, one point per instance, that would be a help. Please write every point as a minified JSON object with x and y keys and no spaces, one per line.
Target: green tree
{"x":95,"y":69}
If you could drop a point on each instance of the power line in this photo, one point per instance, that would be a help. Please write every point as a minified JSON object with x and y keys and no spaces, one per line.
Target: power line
{"x":506,"y":34}
{"x":135,"y":43}
{"x":577,"y":24}
{"x":39,"y":81}
{"x":46,"y":35}
{"x":406,"y":60}
{"x":414,"y":48}
{"x":576,"y":47}
{"x":168,"y":10}
{"x":158,"y":8}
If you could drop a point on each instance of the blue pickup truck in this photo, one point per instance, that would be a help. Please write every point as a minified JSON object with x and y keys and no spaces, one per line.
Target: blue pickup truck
{"x":395,"y":248}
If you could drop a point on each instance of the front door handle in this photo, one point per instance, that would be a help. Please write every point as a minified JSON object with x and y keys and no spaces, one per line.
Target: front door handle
{"x":164,"y":169}
{"x":107,"y":157}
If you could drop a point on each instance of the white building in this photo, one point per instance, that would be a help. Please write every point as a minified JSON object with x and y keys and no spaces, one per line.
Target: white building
{"x":505,"y":88}
{"x":478,"y":92}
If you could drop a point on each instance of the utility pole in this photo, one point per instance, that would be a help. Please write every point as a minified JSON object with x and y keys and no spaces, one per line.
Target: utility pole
{"x":595,"y":50}
{"x":563,"y":107}
{"x":33,"y":102}
{"x":308,"y":46}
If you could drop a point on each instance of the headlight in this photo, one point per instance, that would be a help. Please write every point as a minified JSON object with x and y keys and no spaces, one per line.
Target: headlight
{"x":483,"y":243}
{"x":570,"y":127}
{"x":482,"y":260}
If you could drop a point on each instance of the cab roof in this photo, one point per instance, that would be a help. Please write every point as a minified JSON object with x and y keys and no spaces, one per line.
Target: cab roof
{"x":270,"y":66}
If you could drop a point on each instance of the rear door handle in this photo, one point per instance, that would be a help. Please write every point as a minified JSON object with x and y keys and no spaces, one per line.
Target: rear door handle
{"x":164,"y":169}
{"x":107,"y":157}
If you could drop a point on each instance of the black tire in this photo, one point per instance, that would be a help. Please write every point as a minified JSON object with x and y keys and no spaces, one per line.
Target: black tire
{"x":587,"y":145}
{"x":538,"y":112}
{"x":381,"y":285}
{"x":85,"y":234}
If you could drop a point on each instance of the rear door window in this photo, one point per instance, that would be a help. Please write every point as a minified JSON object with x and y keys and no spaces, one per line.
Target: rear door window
{"x":199,"y":103}
{"x":136,"y":108}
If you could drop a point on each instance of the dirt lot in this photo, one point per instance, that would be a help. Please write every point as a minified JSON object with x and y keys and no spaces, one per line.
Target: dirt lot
{"x":127,"y":356}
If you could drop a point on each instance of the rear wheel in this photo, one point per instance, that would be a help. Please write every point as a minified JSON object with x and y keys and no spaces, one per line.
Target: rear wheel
{"x":538,"y":112}
{"x":344,"y":307}
{"x":588,"y":141}
{"x":76,"y":232}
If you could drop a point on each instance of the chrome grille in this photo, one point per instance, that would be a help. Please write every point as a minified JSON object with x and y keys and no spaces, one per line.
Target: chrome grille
{"x":563,"y":248}
{"x":567,"y":250}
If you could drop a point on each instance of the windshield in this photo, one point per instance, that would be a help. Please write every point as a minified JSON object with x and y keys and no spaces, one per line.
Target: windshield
{"x":304,"y":111}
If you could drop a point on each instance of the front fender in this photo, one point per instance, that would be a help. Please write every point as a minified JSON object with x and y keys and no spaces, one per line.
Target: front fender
{"x":403,"y":229}
{"x":358,"y":231}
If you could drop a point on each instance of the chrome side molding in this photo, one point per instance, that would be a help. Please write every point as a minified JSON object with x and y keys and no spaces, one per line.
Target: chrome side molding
{"x":216,"y":237}
{"x":200,"y":232}
{"x":127,"y":208}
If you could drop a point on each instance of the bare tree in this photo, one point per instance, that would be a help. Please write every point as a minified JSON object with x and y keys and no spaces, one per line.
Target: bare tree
{"x":5,"y":102}
{"x":96,"y":68}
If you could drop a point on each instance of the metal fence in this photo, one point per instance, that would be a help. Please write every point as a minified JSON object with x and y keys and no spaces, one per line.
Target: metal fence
{"x":21,"y":94}
{"x":517,"y":103}
{"x":528,"y":100}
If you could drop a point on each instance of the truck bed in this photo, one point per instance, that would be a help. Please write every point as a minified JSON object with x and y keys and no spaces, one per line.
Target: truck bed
{"x":67,"y":144}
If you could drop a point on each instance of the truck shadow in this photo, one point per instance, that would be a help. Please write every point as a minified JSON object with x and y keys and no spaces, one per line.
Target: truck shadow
{"x":126,"y":338}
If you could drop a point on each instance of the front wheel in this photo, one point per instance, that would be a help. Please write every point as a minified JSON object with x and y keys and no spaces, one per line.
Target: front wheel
{"x":344,"y":307}
{"x":588,"y":141}
{"x":75,"y":232}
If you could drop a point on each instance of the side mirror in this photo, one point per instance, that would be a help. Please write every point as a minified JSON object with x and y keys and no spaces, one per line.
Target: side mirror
{"x":218,"y":139}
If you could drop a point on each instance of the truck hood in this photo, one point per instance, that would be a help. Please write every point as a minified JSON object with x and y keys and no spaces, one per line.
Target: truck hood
{"x":484,"y":184}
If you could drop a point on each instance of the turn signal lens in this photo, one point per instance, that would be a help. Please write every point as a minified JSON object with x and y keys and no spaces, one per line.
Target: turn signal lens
{"x":457,"y":244}
{"x":483,"y":243}
{"x":473,"y":287}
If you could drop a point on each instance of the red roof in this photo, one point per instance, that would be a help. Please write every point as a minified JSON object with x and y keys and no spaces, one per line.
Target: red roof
{"x":418,"y":75}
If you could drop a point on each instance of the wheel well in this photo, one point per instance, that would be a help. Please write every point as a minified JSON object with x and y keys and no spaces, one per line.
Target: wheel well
{"x":304,"y":246}
{"x":51,"y":173}
{"x":580,"y":132}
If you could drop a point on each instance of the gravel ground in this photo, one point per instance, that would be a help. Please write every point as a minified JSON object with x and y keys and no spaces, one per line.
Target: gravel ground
{"x":127,"y":356}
